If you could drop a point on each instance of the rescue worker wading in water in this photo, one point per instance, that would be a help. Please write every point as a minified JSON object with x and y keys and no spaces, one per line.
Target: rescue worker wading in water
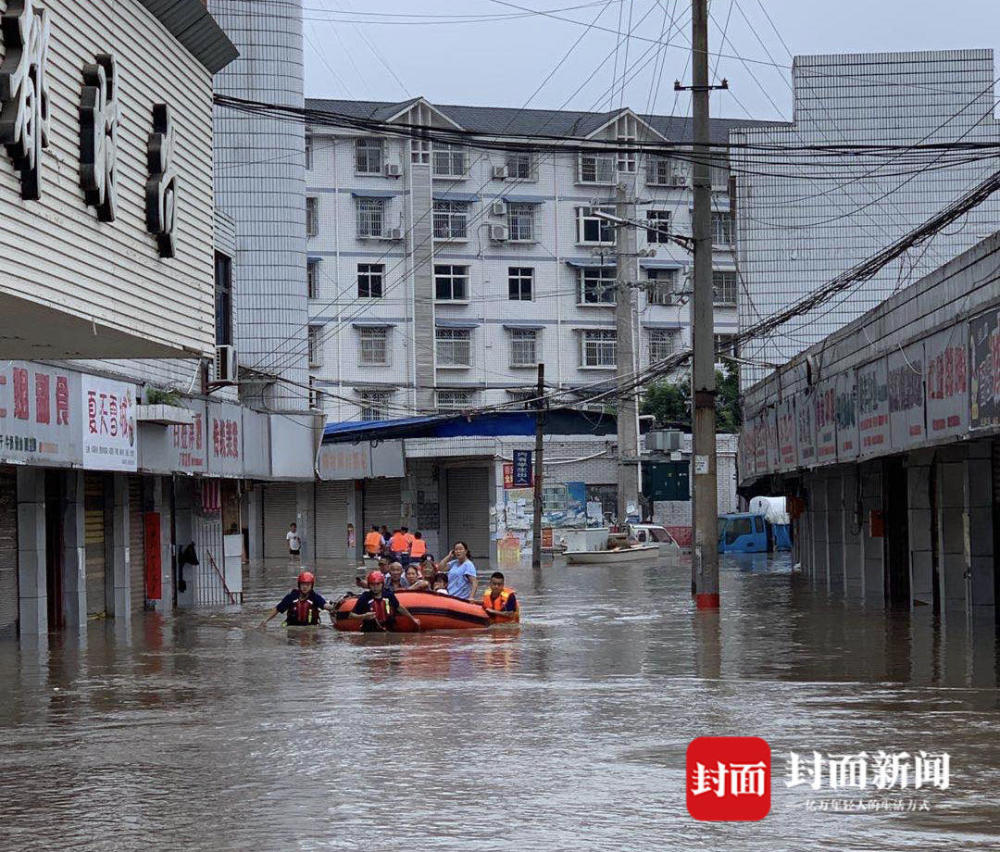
{"x":378,"y":608}
{"x":500,"y":602}
{"x":302,"y":605}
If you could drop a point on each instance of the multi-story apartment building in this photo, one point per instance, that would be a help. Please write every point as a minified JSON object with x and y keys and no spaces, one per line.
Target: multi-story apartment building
{"x":439,"y":276}
{"x":804,"y":219}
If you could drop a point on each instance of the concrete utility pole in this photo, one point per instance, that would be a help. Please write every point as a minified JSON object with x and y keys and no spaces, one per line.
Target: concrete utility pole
{"x":705,"y":557}
{"x":536,"y":519}
{"x":627,"y":274}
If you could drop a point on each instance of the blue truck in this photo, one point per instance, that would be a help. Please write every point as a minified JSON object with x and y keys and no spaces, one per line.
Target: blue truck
{"x":754,"y":532}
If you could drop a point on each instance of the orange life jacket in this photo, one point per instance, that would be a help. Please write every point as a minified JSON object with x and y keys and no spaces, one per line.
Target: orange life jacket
{"x":398,"y":543}
{"x":373,"y":542}
{"x":498,"y":603}
{"x":418,"y":548}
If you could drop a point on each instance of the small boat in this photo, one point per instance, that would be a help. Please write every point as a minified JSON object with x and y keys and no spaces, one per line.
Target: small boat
{"x":636,"y":553}
{"x":436,"y":612}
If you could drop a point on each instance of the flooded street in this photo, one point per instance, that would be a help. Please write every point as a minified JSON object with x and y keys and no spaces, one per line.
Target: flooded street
{"x":198,"y":731}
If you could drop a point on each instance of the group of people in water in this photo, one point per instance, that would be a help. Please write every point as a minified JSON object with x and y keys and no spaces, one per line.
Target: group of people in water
{"x":378,"y":607}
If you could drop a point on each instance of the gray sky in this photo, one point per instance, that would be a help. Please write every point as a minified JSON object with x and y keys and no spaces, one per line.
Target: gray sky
{"x":364,"y":49}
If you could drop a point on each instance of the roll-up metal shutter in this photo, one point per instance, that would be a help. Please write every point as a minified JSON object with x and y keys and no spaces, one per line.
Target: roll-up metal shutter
{"x":330,"y":534}
{"x":279,"y":512}
{"x":8,"y":553}
{"x":382,"y":503}
{"x":469,"y":510}
{"x":136,"y":544}
{"x":96,"y":551}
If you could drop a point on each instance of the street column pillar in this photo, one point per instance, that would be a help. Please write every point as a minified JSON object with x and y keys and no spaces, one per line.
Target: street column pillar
{"x":951,"y":524}
{"x":919,"y":521}
{"x":979,"y":512}
{"x":851,"y":536}
{"x":255,"y":523}
{"x":74,"y":552}
{"x":821,"y":562}
{"x":32,"y":591}
{"x":835,"y":532}
{"x":304,"y":511}
{"x":120,"y":555}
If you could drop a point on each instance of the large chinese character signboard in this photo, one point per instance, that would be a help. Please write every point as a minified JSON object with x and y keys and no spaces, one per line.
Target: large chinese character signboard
{"x":225,"y":440}
{"x":109,"y":434}
{"x":984,"y":332}
{"x":874,"y":432}
{"x":947,"y":382}
{"x":39,"y":414}
{"x":906,"y":396}
{"x":522,"y":469}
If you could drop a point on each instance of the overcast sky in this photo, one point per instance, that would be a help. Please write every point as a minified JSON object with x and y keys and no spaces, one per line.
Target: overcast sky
{"x":476,"y":52}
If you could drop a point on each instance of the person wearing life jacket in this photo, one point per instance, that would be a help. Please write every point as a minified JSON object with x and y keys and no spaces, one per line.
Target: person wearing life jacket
{"x":374,"y":542}
{"x":378,"y":608}
{"x":399,"y":547}
{"x":302,"y":605}
{"x":500,"y":602}
{"x":418,"y":547}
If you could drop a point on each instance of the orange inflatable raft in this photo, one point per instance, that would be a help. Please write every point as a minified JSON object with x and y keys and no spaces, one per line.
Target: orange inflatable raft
{"x":436,"y":612}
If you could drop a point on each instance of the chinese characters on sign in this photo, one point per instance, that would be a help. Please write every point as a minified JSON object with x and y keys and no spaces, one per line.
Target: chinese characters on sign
{"x":188,"y":443}
{"x":879,"y":770}
{"x":226,"y":438}
{"x":523,"y":472}
{"x":109,"y":437}
{"x":947,"y":382}
{"x":873,"y":407}
{"x":728,"y":778}
{"x":99,"y":136}
{"x":984,"y":333}
{"x":35,"y":414}
{"x":161,"y":186}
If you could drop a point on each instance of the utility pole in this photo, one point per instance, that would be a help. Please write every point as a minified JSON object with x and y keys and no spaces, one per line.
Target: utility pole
{"x":627,"y":274}
{"x":536,"y":520}
{"x":705,"y":557}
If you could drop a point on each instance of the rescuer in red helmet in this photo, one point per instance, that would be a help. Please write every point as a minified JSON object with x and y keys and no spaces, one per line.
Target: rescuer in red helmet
{"x":302,"y":605}
{"x":377,"y":608}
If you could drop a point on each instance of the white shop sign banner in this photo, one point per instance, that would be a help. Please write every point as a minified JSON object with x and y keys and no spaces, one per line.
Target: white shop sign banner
{"x":873,"y":408}
{"x":805,"y":429}
{"x":109,"y":433}
{"x":824,"y":399}
{"x":946,"y":354}
{"x":906,"y":396}
{"x":846,"y":413}
{"x":787,"y":448}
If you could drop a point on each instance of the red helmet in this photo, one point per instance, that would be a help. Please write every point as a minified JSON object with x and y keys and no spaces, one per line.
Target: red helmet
{"x":306,"y":577}
{"x":375,"y":577}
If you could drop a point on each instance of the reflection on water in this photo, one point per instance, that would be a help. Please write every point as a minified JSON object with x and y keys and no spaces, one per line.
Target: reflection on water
{"x":568,"y":732}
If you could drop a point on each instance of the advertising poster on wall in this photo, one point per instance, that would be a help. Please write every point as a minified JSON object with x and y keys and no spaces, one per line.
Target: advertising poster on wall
{"x":846,"y":415}
{"x":805,"y":428}
{"x":906,"y":396}
{"x":946,"y":356}
{"x":108,"y":424}
{"x":787,"y":444}
{"x":760,"y":444}
{"x":824,"y":417}
{"x":874,"y":432}
{"x":40,"y":414}
{"x":772,"y":439}
{"x":984,"y":348}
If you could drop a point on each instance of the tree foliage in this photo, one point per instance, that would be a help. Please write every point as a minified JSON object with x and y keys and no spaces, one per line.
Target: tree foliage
{"x":670,"y":402}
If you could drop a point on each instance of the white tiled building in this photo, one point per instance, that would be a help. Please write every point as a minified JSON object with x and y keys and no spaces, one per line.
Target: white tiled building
{"x":439,"y":277}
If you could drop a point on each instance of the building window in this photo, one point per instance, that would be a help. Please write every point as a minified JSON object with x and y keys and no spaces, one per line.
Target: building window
{"x":374,"y":347}
{"x":524,"y":398}
{"x":722,"y":228}
{"x":371,"y":217}
{"x":723,"y":287}
{"x":599,"y":349}
{"x":593,"y":230}
{"x":315,"y":346}
{"x":223,"y":300}
{"x":314,"y":395}
{"x":596,"y":168}
{"x":454,"y":347}
{"x":664,"y":171}
{"x":370,"y":276}
{"x":309,"y":152}
{"x":520,"y":283}
{"x":523,"y":348}
{"x":312,"y":277}
{"x":598,"y":285}
{"x":521,"y":223}
{"x":661,"y":344}
{"x":725,"y":344}
{"x":312,"y":216}
{"x":720,"y":177}
{"x":449,"y":161}
{"x":662,"y":286}
{"x":451,"y":283}
{"x":626,"y":160}
{"x":369,"y":155}
{"x":520,"y":165}
{"x":374,"y":405}
{"x":455,"y":400}
{"x":450,"y":220}
{"x":659,"y":221}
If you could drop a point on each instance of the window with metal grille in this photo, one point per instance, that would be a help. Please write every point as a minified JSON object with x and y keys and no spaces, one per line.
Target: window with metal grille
{"x":659,"y":221}
{"x":370,"y":278}
{"x":665,"y":171}
{"x":725,"y":344}
{"x":223,"y":300}
{"x":449,"y":160}
{"x":309,"y":152}
{"x":454,"y":347}
{"x":369,"y":155}
{"x":722,"y":228}
{"x":593,"y":230}
{"x":521,"y":165}
{"x":597,"y":285}
{"x":315,"y":346}
{"x":596,"y":168}
{"x":451,"y":220}
{"x":312,"y":216}
{"x":455,"y":400}
{"x":312,"y":277}
{"x":374,"y":348}
{"x":662,"y":286}
{"x":521,"y":222}
{"x":371,"y":217}
{"x":451,"y":283}
{"x":374,"y":404}
{"x":724,"y":287}
{"x":599,"y":348}
{"x":523,"y":347}
{"x":524,"y":398}
{"x":520,"y":283}
{"x":661,"y":344}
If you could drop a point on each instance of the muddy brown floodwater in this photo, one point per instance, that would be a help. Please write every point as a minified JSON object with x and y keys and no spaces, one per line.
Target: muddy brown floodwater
{"x":198,"y":731}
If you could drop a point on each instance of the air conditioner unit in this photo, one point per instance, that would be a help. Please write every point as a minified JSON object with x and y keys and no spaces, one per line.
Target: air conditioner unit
{"x":394,"y":234}
{"x":393,"y":170}
{"x":225,"y":365}
{"x":498,"y":233}
{"x":499,"y":173}
{"x":668,"y":440}
{"x":498,"y":208}
{"x":678,"y":180}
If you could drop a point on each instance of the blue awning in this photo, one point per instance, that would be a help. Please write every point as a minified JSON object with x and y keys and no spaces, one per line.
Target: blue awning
{"x":373,"y":193}
{"x":443,"y":323}
{"x":526,"y":326}
{"x":657,"y":263}
{"x":455,"y":196}
{"x":523,"y":199}
{"x":584,"y":262}
{"x":373,"y":324}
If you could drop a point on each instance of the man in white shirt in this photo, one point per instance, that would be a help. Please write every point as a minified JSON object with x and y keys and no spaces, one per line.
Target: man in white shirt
{"x":294,"y":542}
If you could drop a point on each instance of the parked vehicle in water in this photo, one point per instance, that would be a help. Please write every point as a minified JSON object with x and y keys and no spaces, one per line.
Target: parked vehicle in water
{"x":744,"y":532}
{"x":655,"y":534}
{"x":638,"y":542}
